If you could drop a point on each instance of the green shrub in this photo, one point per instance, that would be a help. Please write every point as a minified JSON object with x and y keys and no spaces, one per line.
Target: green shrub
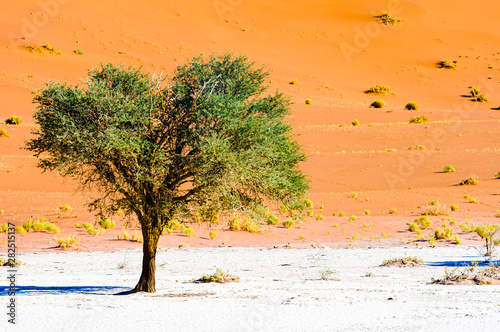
{"x":412,"y":106}
{"x":86,"y":225}
{"x":14,"y":120}
{"x":288,"y":223}
{"x":449,"y":169}
{"x":447,"y":64}
{"x":341,"y":214}
{"x":320,"y":217}
{"x":472,"y":200}
{"x":309,"y":203}
{"x":424,"y":221}
{"x":436,"y":202}
{"x":106,"y":223}
{"x":65,"y":208}
{"x":381,"y":90}
{"x":353,"y":218}
{"x":419,"y":119}
{"x":454,"y":207}
{"x":273,"y":220}
{"x":78,"y":52}
{"x":378,"y":104}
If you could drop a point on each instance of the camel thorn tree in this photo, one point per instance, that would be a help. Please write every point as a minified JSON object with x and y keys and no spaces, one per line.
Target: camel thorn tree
{"x":208,"y":140}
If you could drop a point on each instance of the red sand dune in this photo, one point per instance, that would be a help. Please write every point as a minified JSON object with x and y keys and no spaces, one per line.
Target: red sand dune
{"x":335,"y":50}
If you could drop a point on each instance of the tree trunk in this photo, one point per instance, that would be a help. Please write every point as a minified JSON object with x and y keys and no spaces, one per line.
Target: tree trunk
{"x":146,"y":283}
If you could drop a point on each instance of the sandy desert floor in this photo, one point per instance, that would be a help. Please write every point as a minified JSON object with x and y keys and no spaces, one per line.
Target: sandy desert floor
{"x":279,"y":290}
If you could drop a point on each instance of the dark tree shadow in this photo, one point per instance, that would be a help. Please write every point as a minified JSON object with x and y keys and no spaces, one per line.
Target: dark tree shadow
{"x":464,"y":263}
{"x":61,"y":290}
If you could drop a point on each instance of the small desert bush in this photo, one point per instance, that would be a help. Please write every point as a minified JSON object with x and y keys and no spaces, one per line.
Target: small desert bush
{"x":497,"y":214}
{"x":415,"y":228}
{"x":412,"y":106}
{"x":309,"y":101}
{"x":187,"y":231}
{"x":419,"y":119}
{"x":87,"y":225}
{"x":123,"y":236}
{"x":436,"y":202}
{"x":378,"y":104}
{"x":294,"y":82}
{"x":354,"y":195}
{"x":423,"y":221}
{"x":341,"y":214}
{"x":95,"y":231}
{"x":79,"y":52}
{"x":4,"y":228}
{"x":14,"y":120}
{"x":387,"y":18}
{"x":3,"y":133}
{"x":219,"y":277}
{"x":353,"y":218}
{"x":10,"y":262}
{"x":474,"y":92}
{"x":447,"y":64}
{"x":20,"y":230}
{"x":497,"y":175}
{"x":436,"y":210}
{"x":443,"y":233}
{"x":309,"y":203}
{"x":137,"y":238}
{"x":454,"y":207}
{"x":310,"y":213}
{"x":381,"y":90}
{"x":416,"y":147}
{"x":481,"y":98}
{"x":37,"y":226}
{"x":65,"y":208}
{"x":273,"y":220}
{"x":449,"y":169}
{"x":473,"y":200}
{"x":288,"y":223}
{"x":106,"y":223}
{"x":367,"y":212}
{"x":392,"y":211}
{"x":213,"y":234}
{"x":320,"y":217}
{"x":403,"y":261}
{"x":69,"y":241}
{"x":356,"y":123}
{"x":471,"y":181}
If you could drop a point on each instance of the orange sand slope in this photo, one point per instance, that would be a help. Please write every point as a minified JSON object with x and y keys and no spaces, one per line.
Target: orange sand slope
{"x":335,"y":50}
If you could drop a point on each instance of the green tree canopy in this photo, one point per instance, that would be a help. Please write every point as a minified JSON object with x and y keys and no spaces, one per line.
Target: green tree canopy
{"x":206,"y":140}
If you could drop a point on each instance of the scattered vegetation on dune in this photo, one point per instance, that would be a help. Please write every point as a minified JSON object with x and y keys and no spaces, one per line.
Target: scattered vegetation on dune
{"x":447,"y":64}
{"x":386,"y":18}
{"x":38,"y":226}
{"x":403,"y":261}
{"x":423,"y":221}
{"x":79,"y":52}
{"x":481,"y":98}
{"x":378,"y":104}
{"x":419,"y":119}
{"x":412,"y":106}
{"x":219,"y":277}
{"x":381,"y":90}
{"x":14,"y":120}
{"x":474,"y":92}
{"x":471,"y":181}
{"x":43,"y":49}
{"x":417,"y":147}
